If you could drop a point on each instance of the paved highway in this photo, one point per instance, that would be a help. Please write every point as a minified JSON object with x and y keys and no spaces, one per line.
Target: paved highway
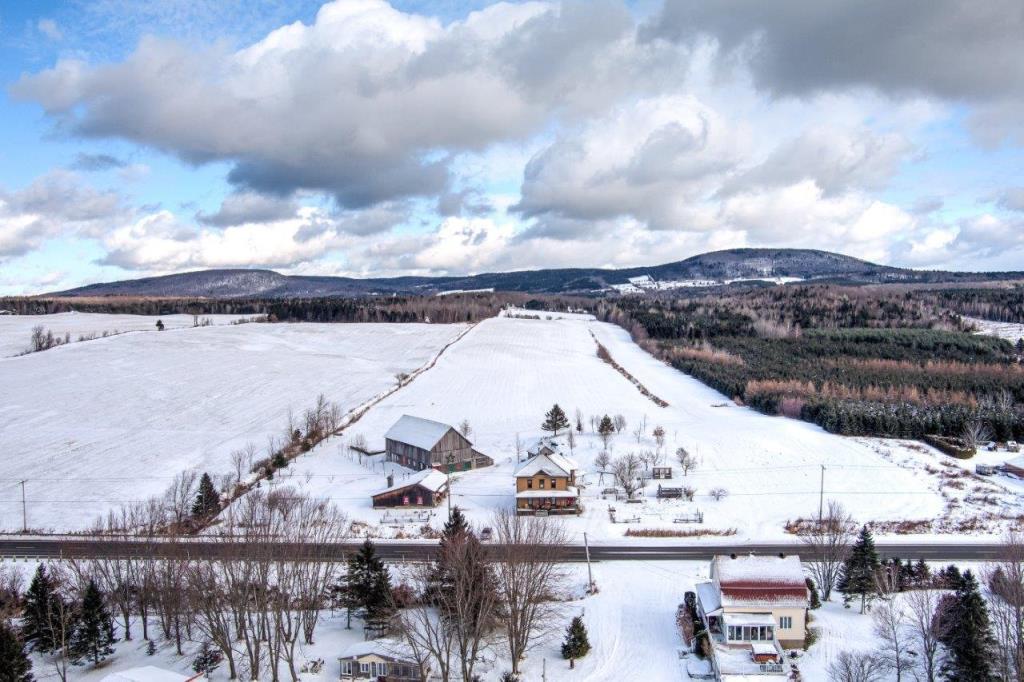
{"x":52,"y":548}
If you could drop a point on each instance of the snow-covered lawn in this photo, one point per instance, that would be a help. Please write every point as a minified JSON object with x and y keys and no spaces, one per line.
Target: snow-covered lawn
{"x":1011,"y":331}
{"x":93,"y":425}
{"x":506,"y":372}
{"x":15,"y":330}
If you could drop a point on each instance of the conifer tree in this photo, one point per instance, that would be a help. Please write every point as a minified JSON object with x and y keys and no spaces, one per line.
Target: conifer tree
{"x":93,"y":636}
{"x":815,"y":597}
{"x":207,"y":659}
{"x":15,"y":665}
{"x":858,"y":574}
{"x":605,"y":429}
{"x":368,"y":585}
{"x":967,"y":634}
{"x":555,"y":420}
{"x":207,"y":500}
{"x":576,"y":645}
{"x":40,"y":624}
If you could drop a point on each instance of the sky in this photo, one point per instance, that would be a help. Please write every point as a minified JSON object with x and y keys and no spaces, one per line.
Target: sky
{"x":367,"y":138}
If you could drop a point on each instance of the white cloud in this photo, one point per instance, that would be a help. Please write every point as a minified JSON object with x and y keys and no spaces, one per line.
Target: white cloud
{"x":50,"y":29}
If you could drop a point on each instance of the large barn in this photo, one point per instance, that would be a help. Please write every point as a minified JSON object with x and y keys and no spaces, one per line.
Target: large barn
{"x":423,"y":444}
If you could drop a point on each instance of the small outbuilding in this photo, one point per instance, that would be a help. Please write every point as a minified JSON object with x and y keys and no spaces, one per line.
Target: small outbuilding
{"x":424,"y":489}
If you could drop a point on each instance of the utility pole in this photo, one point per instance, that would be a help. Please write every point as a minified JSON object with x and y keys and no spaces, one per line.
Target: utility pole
{"x":590,"y":574}
{"x":24,"y":512}
{"x":821,"y":493}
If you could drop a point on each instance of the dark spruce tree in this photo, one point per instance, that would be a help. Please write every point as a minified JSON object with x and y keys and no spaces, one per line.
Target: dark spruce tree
{"x":815,"y":597}
{"x":207,"y":660}
{"x":555,"y":420}
{"x":576,"y":644}
{"x":15,"y":665}
{"x":858,"y":575}
{"x":967,"y":634}
{"x":43,"y":615}
{"x":207,"y":500}
{"x":93,"y":636}
{"x":367,"y":586}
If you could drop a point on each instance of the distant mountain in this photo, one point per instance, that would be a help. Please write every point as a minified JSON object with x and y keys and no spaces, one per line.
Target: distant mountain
{"x":732,"y":264}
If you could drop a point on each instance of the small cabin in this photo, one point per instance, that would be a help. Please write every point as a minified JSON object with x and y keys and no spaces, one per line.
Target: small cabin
{"x":422,"y":490}
{"x":420,"y":444}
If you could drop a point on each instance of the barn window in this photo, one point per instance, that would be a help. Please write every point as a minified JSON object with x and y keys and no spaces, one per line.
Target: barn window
{"x":405,"y":499}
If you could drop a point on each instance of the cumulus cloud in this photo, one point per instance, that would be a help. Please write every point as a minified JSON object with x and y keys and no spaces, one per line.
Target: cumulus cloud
{"x":651,"y":160}
{"x":159,"y":242}
{"x":1011,"y":199}
{"x":367,"y":102}
{"x":54,"y":204}
{"x":248,"y":207}
{"x":837,"y":160}
{"x":946,"y":49}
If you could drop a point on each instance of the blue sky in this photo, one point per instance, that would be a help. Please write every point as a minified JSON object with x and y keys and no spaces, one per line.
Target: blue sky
{"x":366,"y":138}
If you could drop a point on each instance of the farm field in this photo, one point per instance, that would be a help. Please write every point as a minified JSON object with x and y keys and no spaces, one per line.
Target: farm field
{"x":1011,"y":331}
{"x":93,"y":425}
{"x":505,"y":373}
{"x":15,"y":330}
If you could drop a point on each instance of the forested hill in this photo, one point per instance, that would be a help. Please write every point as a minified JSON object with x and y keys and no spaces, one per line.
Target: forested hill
{"x":720,"y":266}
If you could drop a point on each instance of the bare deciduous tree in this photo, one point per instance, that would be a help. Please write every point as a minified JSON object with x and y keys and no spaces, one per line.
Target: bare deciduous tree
{"x":659,"y":437}
{"x":528,"y":573}
{"x":975,"y":434}
{"x":894,"y":639}
{"x":626,"y":469}
{"x":465,"y":428}
{"x":619,"y":422}
{"x":687,"y":462}
{"x":1004,"y":585}
{"x":827,"y":541}
{"x":856,"y":667}
{"x":925,"y":631}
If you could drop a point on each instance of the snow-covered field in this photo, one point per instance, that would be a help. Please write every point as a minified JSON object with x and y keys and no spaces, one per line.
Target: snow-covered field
{"x":15,"y":330}
{"x":505,"y":373}
{"x":1011,"y":331}
{"x":93,"y":425}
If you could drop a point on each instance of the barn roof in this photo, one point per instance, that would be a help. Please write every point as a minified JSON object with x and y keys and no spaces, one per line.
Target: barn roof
{"x":556,"y":464}
{"x":418,"y":432}
{"x":431,"y":479}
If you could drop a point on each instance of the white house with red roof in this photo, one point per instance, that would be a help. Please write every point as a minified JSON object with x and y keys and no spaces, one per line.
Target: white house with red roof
{"x":754,"y":607}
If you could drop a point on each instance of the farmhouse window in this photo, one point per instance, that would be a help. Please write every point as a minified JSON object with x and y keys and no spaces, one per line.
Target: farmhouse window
{"x":419,"y":499}
{"x":529,"y":484}
{"x":542,"y":484}
{"x":554,"y":484}
{"x":785,"y":622}
{"x":405,"y":499}
{"x":346,"y":667}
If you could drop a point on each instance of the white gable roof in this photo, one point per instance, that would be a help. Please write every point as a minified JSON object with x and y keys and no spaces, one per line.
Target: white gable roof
{"x":145,"y":674}
{"x":431,"y":479}
{"x":556,"y":464}
{"x":418,"y":432}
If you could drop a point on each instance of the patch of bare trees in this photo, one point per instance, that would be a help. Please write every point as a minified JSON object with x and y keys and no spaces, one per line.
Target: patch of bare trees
{"x":827,"y":542}
{"x":626,"y":470}
{"x":687,"y":461}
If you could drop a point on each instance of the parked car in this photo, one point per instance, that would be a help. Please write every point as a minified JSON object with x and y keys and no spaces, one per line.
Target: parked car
{"x":1012,"y":446}
{"x":984,"y":469}
{"x":486,"y":534}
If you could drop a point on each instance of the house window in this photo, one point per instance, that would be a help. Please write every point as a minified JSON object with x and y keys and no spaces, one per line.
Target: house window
{"x":364,"y":667}
{"x":529,"y":484}
{"x":785,"y":622}
{"x":554,"y":484}
{"x":405,"y":499}
{"x":346,"y":668}
{"x":419,"y":500}
{"x":542,"y":484}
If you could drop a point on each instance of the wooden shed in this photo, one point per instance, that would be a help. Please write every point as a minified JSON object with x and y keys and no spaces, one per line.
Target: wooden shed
{"x":420,"y":444}
{"x":423,"y":489}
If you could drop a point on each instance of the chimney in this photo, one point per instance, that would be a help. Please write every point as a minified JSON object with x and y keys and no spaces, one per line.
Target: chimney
{"x":391,"y":480}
